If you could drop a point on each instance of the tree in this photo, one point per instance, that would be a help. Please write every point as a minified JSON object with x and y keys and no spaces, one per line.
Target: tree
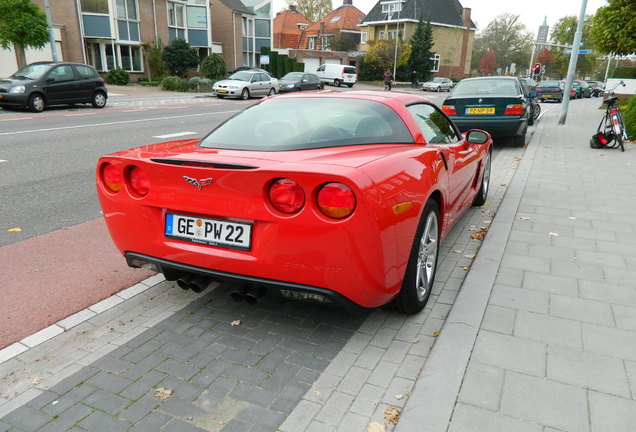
{"x":314,"y":10}
{"x":22,"y":25}
{"x":213,"y":67}
{"x":614,"y":27}
{"x":506,"y":36}
{"x":421,"y":44}
{"x":488,"y":63}
{"x":563,"y":33}
{"x":547,"y":59}
{"x":179,"y":56}
{"x":381,"y":54}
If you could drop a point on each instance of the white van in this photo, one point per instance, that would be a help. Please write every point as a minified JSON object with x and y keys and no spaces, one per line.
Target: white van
{"x":337,"y":74}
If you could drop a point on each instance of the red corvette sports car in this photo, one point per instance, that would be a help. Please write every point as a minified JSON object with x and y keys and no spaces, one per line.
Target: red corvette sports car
{"x":338,"y":198}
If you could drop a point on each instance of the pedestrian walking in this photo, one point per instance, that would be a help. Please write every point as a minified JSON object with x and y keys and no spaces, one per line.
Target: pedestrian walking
{"x":414,"y":83}
{"x":388,"y":80}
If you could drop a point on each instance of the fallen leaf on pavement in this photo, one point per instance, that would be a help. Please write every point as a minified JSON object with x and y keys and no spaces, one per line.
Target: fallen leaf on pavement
{"x":479,"y":235}
{"x":221,"y":422}
{"x":37,"y":380}
{"x":317,"y":393}
{"x":469,"y":256}
{"x":399,"y":397}
{"x":553,"y":234}
{"x":465,"y":268}
{"x":457,"y":251}
{"x":572,"y":218}
{"x":235,"y":323}
{"x":435,"y":334}
{"x":376,"y":427}
{"x":524,"y":218}
{"x":392,"y":415}
{"x":416,"y":340}
{"x":163,"y":393}
{"x":14,"y":230}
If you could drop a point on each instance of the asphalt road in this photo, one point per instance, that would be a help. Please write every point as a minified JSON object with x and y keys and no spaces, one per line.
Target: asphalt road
{"x":47,"y":173}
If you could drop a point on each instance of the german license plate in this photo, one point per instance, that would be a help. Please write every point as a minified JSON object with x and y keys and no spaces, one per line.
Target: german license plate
{"x":546,"y":96}
{"x":480,"y":110}
{"x":209,"y":231}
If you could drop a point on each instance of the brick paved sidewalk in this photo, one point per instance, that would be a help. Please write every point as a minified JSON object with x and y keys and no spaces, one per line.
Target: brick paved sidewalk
{"x":555,"y":349}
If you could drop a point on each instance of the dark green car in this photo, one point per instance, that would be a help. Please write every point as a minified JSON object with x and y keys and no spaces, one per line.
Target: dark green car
{"x":582,"y":89}
{"x":497,"y":105}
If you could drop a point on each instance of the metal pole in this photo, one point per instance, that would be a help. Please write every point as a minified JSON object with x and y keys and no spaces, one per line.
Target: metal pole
{"x":609,"y":60}
{"x":397,"y":36}
{"x":49,"y":24}
{"x":572,"y":67}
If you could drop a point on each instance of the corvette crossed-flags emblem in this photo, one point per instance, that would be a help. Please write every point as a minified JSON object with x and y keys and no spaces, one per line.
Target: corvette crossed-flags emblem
{"x":198,"y":183}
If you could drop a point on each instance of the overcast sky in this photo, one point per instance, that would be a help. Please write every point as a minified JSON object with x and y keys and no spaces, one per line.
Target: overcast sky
{"x":483,"y":11}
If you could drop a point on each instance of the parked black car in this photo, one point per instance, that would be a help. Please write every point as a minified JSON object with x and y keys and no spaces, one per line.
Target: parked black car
{"x":298,"y":81}
{"x":497,"y":105}
{"x":43,"y":84}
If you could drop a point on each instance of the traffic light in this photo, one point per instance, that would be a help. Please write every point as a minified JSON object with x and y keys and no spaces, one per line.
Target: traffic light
{"x":536,"y":69}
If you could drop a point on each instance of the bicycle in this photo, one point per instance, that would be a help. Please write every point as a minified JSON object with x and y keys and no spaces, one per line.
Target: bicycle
{"x":611,"y":131}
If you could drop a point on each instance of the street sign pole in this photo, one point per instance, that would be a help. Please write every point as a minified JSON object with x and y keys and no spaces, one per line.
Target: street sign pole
{"x":572,"y":67}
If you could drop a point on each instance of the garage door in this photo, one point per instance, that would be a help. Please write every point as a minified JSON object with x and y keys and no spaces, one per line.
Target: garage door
{"x":311,"y":64}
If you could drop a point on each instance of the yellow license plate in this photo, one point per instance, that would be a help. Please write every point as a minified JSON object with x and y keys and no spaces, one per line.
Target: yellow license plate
{"x":480,"y":110}
{"x":221,"y":91}
{"x":1,"y":96}
{"x":546,"y":96}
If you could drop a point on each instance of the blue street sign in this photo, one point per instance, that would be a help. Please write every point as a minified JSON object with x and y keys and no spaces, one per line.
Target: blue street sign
{"x":580,"y":52}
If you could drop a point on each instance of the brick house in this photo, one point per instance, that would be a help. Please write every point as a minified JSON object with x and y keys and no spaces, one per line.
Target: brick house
{"x":453,"y":30}
{"x":112,"y":33}
{"x":334,"y":39}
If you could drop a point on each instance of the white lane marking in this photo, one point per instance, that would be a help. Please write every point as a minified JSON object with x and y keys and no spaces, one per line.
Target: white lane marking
{"x":179,"y":107}
{"x":116,"y":123}
{"x":174,"y":135}
{"x":77,"y":115}
{"x":2,"y":160}
{"x":135,"y":110}
{"x":19,"y":118}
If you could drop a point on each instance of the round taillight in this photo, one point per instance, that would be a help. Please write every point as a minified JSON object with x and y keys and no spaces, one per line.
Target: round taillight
{"x":286,"y":196}
{"x":111,"y":177}
{"x":138,"y":181}
{"x":336,"y":200}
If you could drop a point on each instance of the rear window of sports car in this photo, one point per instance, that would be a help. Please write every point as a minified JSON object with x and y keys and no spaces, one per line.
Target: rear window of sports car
{"x":307,"y":123}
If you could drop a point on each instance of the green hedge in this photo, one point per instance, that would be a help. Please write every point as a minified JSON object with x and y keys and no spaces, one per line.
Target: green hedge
{"x":629,"y":117}
{"x":627,"y":72}
{"x":117,"y":76}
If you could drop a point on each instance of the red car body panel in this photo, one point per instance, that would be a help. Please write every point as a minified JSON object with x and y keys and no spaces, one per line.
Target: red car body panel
{"x":362,"y":257}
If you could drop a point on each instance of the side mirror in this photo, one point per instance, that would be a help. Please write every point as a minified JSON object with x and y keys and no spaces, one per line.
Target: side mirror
{"x":476,"y":136}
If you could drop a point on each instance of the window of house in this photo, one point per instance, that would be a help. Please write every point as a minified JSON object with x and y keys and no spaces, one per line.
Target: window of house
{"x":312,"y":43}
{"x":126,"y":9}
{"x":325,"y":42}
{"x":436,"y":62}
{"x":94,"y":6}
{"x":197,"y":17}
{"x":391,"y":7}
{"x":175,"y":15}
{"x":381,"y":35}
{"x":392,"y":34}
{"x":130,"y":58}
{"x":363,"y":37}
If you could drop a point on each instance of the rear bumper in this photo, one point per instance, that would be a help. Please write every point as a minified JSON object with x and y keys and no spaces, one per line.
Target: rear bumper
{"x":496,"y":127}
{"x":287,"y":290}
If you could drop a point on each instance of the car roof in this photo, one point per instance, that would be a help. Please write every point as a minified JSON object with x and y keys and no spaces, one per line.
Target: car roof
{"x":491,"y":78}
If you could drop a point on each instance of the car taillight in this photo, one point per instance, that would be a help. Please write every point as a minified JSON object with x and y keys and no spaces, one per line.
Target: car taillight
{"x":286,"y":196}
{"x":514,"y":110}
{"x":336,"y":200}
{"x":449,"y":110}
{"x":139,"y":182}
{"x":111,"y":177}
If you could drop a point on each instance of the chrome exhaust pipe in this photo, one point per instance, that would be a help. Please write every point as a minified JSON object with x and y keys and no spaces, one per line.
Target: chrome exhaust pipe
{"x":199,"y":284}
{"x":238,"y":293}
{"x":254,"y":293}
{"x":185,"y":282}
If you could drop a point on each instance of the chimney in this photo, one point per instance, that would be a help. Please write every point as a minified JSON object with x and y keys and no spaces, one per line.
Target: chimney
{"x":466,"y":17}
{"x":347,"y":2}
{"x":292,"y":9}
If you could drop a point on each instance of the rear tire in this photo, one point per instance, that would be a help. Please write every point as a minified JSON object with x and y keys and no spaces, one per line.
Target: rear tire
{"x":337,"y":83}
{"x":420,"y":270}
{"x":482,"y":194}
{"x":98,"y":100}
{"x":349,"y":85}
{"x":220,"y":96}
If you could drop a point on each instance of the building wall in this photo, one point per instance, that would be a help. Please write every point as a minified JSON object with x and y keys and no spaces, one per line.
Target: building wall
{"x":64,"y":14}
{"x":223,"y":29}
